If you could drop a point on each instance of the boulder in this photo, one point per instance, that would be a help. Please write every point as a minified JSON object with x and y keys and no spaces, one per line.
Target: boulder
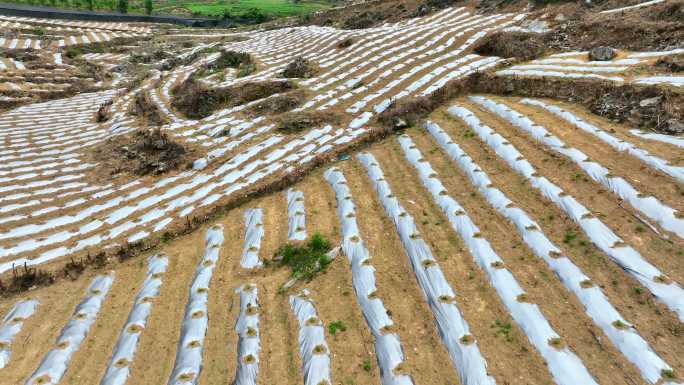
{"x":399,"y":123}
{"x":673,"y":127}
{"x":423,"y":10}
{"x":602,"y":53}
{"x":650,"y":102}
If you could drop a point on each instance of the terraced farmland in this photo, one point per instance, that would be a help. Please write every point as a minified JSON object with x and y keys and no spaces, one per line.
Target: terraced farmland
{"x":502,"y":239}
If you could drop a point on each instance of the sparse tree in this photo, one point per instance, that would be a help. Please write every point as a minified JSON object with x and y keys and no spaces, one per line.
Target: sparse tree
{"x":122,"y":6}
{"x":148,"y":7}
{"x":89,"y":4}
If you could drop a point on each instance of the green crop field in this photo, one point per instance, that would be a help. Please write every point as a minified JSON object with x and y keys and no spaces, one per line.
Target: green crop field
{"x":216,"y":8}
{"x":272,"y":8}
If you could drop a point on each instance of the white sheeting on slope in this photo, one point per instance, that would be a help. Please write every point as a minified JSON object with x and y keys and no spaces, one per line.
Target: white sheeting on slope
{"x":11,"y":326}
{"x":557,"y":74}
{"x":670,"y":139}
{"x":253,"y":234}
{"x":649,"y":205}
{"x":618,"y":144}
{"x":124,"y":351}
{"x":388,"y":349}
{"x":671,"y":294}
{"x":188,"y":364}
{"x":296,"y":216}
{"x":677,"y":81}
{"x":565,"y":367}
{"x":597,"y":306}
{"x":569,"y":67}
{"x":313,"y":348}
{"x":644,"y":4}
{"x":656,"y":53}
{"x":56,"y":361}
{"x":462,"y":347}
{"x":249,"y":344}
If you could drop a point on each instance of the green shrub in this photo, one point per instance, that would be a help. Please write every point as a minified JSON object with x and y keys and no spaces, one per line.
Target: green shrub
{"x":336,"y":326}
{"x":305,"y":261}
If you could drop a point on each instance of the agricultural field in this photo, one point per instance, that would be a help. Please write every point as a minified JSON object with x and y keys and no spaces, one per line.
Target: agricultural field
{"x":199,"y":8}
{"x":399,"y":204}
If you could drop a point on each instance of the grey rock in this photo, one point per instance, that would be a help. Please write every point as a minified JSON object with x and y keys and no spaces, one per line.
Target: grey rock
{"x":398,"y":122}
{"x":673,"y":127}
{"x":602,"y":53}
{"x":650,"y":102}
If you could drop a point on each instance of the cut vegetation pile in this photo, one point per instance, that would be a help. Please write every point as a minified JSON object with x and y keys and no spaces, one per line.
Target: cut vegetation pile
{"x":278,"y":104}
{"x":147,"y":112}
{"x":520,"y":45}
{"x":241,"y":61}
{"x":292,"y":122}
{"x":300,"y":68}
{"x":143,"y":152}
{"x":195,"y":100}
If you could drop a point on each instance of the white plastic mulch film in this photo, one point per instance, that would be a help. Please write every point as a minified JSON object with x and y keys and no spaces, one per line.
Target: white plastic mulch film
{"x":565,"y":367}
{"x":453,"y":328}
{"x":124,"y":351}
{"x":653,"y":161}
{"x":249,"y":344}
{"x":194,"y":327}
{"x":56,"y":361}
{"x":253,"y":234}
{"x":669,"y":139}
{"x":596,"y":304}
{"x":11,"y":326}
{"x":296,"y":216}
{"x":313,"y":348}
{"x":664,"y":215}
{"x":670,"y":293}
{"x":388,"y":349}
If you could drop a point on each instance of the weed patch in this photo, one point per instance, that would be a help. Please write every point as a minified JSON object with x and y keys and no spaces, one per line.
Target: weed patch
{"x":307,"y":260}
{"x":336,"y":326}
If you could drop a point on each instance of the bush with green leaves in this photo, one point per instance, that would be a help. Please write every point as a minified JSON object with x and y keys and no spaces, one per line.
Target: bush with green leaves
{"x":336,"y":326}
{"x":122,"y":6}
{"x":306,"y":260}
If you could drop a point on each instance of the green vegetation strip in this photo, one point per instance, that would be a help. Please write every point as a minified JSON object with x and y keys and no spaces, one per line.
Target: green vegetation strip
{"x":269,"y":8}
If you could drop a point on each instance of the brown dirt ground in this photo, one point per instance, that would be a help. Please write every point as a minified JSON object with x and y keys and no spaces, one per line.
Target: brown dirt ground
{"x":643,"y":177}
{"x":564,"y":312}
{"x":564,"y":173}
{"x":38,"y":336}
{"x":659,"y":326}
{"x":91,"y":360}
{"x":334,"y":293}
{"x":514,"y":359}
{"x":427,"y":360}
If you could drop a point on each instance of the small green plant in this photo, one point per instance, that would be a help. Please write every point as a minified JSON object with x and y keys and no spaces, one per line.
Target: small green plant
{"x":639,"y":229}
{"x":503,"y":329}
{"x":667,"y":374}
{"x":569,"y":236}
{"x":336,"y":326}
{"x":306,"y":260}
{"x":366,"y":365}
{"x":638,"y":290}
{"x":40,"y":31}
{"x":72,"y":52}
